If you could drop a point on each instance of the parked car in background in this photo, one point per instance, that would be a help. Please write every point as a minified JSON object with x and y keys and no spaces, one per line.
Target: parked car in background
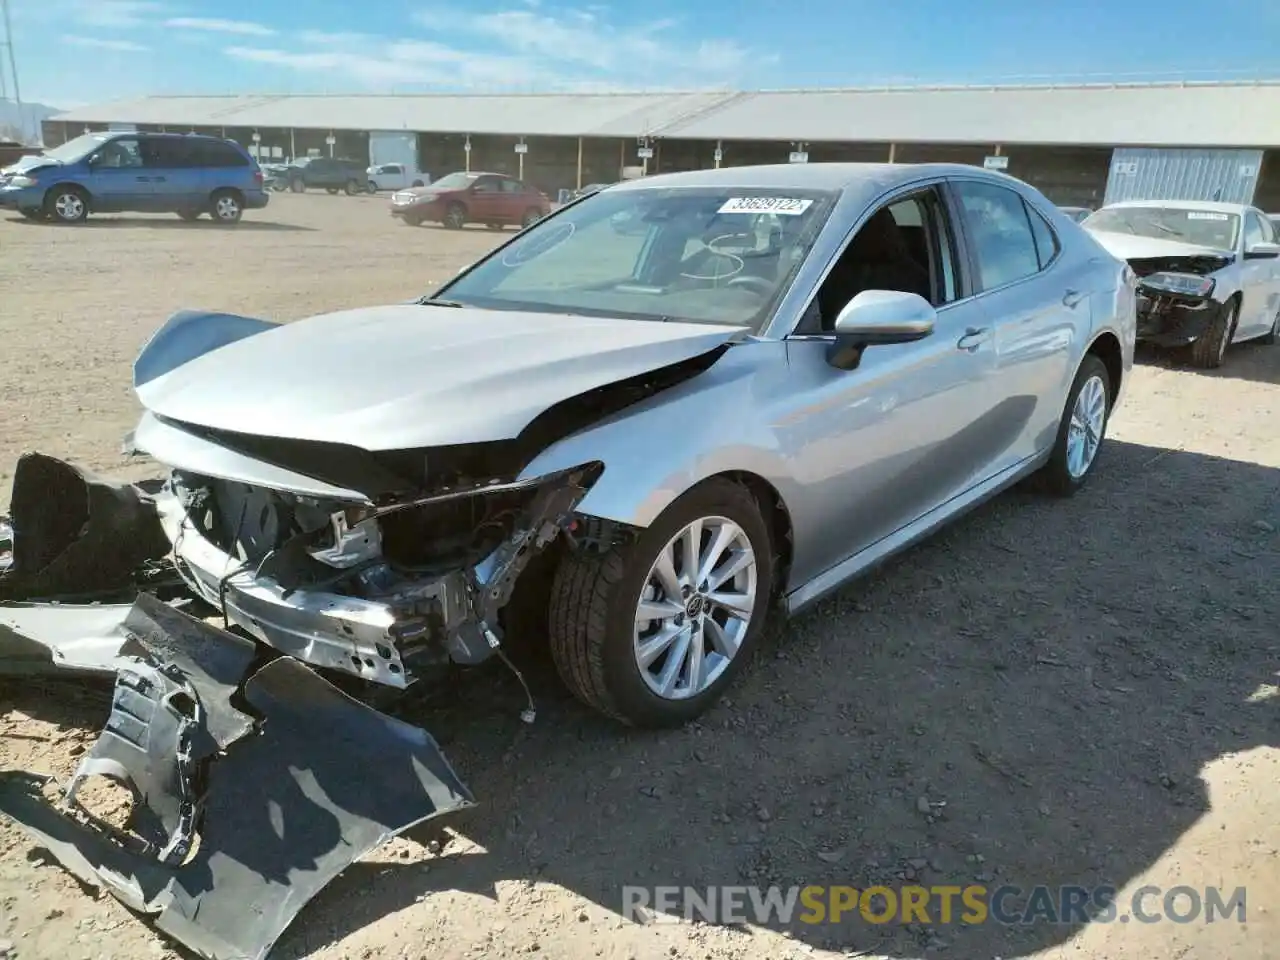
{"x":326,"y":173}
{"x":1208,"y":273}
{"x":493,"y":199}
{"x":1076,"y":213}
{"x":395,"y":176}
{"x":186,"y":174}
{"x":795,"y":372}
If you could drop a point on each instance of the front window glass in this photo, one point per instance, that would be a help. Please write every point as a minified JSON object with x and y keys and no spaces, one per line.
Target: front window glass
{"x":76,"y":149}
{"x":1203,"y":228}
{"x":704,"y":255}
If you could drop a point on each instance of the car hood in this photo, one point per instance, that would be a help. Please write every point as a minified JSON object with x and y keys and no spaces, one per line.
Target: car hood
{"x":29,"y":162}
{"x":408,"y":376}
{"x":1128,"y":247}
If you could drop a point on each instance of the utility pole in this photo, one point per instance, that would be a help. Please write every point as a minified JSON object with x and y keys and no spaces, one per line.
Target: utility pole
{"x":12,"y":62}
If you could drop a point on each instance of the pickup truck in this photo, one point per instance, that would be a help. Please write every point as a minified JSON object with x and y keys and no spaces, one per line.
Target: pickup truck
{"x":395,"y":176}
{"x":327,"y":173}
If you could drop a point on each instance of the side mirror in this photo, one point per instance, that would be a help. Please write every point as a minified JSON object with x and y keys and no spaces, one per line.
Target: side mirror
{"x":1262,"y":251}
{"x":878,"y":318}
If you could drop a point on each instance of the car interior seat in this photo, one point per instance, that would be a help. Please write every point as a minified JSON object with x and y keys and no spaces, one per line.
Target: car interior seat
{"x":878,"y":258}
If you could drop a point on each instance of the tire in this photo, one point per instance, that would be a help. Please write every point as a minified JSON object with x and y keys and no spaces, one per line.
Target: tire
{"x":417,"y":183}
{"x":297,"y":185}
{"x":1208,"y":352}
{"x":1061,"y":476}
{"x":455,"y":218}
{"x":371,"y":187}
{"x":531,"y":216}
{"x":226,"y":207}
{"x":594,"y":601}
{"x":1272,"y":335}
{"x":412,"y":221}
{"x":66,"y":204}
{"x":352,"y":188}
{"x":191,"y":216}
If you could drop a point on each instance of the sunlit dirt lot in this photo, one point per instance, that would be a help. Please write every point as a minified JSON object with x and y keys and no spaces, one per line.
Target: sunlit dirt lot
{"x":1079,"y":693}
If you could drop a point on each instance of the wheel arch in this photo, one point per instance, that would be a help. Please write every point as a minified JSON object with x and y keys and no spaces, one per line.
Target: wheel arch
{"x":1106,"y":347}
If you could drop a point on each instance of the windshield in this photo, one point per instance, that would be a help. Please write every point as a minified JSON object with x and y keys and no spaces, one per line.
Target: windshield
{"x":455,"y":181}
{"x":1203,"y":228}
{"x":706,"y":255}
{"x":76,"y":149}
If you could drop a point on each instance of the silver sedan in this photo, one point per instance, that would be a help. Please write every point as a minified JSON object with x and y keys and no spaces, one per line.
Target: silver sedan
{"x":647,"y":418}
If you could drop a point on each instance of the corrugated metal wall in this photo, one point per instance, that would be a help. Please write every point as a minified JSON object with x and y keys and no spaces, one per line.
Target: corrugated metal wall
{"x":1230,"y":176}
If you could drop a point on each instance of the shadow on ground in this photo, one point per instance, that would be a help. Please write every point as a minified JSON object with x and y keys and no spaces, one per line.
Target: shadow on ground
{"x":1252,"y":360}
{"x":155,"y":223}
{"x":1046,"y":678}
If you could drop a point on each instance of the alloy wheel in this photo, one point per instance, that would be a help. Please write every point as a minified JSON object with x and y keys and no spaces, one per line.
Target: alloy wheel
{"x":1088,"y":419}
{"x":695,"y":608}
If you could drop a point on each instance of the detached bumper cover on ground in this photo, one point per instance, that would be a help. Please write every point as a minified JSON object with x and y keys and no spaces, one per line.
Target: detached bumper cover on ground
{"x":276,"y":797}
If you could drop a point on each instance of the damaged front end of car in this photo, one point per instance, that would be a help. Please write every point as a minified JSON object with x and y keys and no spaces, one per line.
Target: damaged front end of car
{"x":1175,"y":300}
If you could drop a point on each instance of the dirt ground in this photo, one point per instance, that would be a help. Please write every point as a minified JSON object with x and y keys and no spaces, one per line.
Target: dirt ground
{"x":1077,"y":693}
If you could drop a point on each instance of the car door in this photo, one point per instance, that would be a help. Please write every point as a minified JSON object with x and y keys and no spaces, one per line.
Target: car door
{"x":485,"y":202}
{"x":915,"y":424}
{"x":1035,"y":300}
{"x":1259,"y":283}
{"x":118,"y":179}
{"x":168,"y":162}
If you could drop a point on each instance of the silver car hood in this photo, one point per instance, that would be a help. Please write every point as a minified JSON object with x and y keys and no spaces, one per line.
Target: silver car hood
{"x":1128,"y":247}
{"x":408,"y":376}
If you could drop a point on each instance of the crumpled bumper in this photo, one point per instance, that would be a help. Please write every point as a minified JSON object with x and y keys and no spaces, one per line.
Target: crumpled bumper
{"x":1166,"y":321}
{"x":250,"y":795}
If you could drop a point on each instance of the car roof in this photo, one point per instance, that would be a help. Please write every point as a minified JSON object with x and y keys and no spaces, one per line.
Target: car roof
{"x":1206,"y":206}
{"x":813,"y":176}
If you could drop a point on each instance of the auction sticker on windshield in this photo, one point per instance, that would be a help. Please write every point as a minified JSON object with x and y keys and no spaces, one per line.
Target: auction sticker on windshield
{"x":784,"y":206}
{"x":1197,"y":215}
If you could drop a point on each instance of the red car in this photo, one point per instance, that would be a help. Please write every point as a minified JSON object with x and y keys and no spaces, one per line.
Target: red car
{"x":493,"y":199}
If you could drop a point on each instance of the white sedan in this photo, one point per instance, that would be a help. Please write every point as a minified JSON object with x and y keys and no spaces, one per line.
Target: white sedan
{"x":1209,"y":273}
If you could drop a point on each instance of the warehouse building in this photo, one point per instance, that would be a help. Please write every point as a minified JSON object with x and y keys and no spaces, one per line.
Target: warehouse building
{"x":1081,"y":145}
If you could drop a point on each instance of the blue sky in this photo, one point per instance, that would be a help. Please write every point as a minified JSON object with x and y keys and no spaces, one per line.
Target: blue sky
{"x":78,"y":51}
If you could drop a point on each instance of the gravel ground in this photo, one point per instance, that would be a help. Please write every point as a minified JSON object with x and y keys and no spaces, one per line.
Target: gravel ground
{"x":1048,"y":693}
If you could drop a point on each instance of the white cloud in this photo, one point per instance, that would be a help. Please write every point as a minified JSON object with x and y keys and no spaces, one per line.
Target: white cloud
{"x":116,"y":14}
{"x":242,"y":27}
{"x":102,"y":43}
{"x":574,"y":49}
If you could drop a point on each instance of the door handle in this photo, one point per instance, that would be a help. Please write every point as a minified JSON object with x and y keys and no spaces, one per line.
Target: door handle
{"x":973,"y":338}
{"x":1071,"y":298}
{"x":143,"y":179}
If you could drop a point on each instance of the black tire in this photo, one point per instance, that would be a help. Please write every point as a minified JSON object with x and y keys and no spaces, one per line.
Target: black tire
{"x":352,"y":187}
{"x":1272,"y":335}
{"x":191,"y":216}
{"x":297,"y":185}
{"x":226,"y":207}
{"x":66,"y":204}
{"x":531,"y":216}
{"x":412,"y":221}
{"x":1208,"y":352}
{"x":455,"y":218}
{"x":1055,"y":478}
{"x":593,"y":606}
{"x":371,"y":187}
{"x":417,"y":183}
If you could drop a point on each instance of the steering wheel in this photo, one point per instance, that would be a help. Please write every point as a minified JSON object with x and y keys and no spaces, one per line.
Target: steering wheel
{"x":757,"y":285}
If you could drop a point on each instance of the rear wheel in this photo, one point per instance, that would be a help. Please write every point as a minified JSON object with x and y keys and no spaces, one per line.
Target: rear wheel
{"x":352,"y":188}
{"x":417,"y":183}
{"x":297,"y":186}
{"x":1272,"y":335}
{"x":652,"y":632}
{"x":1081,"y":431}
{"x":1210,"y":350}
{"x":455,"y":218}
{"x":531,"y":216}
{"x":227,"y":207}
{"x":66,"y":205}
{"x":372,"y":187}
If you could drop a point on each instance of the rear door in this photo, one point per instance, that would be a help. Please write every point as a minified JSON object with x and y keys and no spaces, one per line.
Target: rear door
{"x":170,"y":162}
{"x":1036,"y":302}
{"x":486,"y":201}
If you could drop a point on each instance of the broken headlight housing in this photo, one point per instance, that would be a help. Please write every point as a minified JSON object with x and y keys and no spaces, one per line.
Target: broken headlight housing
{"x":1179,"y":284}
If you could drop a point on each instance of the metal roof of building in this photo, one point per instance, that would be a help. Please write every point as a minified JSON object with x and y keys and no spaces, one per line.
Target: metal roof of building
{"x":551,"y":115}
{"x":1221,"y":114}
{"x":1164,"y":114}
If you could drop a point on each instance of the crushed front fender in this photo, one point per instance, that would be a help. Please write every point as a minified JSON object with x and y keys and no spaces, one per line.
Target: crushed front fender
{"x":248,"y":809}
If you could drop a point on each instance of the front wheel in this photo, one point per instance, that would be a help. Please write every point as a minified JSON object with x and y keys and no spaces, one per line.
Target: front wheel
{"x":1081,"y":431}
{"x":352,"y":188}
{"x":66,"y":205}
{"x":1210,"y":349}
{"x":297,"y":186}
{"x":652,"y":632}
{"x":455,"y":218}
